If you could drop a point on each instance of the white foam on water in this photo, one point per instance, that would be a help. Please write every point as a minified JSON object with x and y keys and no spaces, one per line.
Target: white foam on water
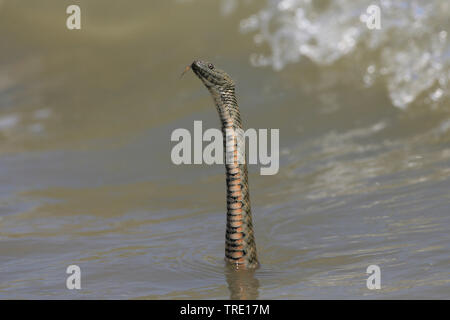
{"x":411,"y":49}
{"x":8,"y":122}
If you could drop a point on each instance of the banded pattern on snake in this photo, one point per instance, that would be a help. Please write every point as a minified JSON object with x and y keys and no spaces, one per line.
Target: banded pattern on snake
{"x":240,"y":247}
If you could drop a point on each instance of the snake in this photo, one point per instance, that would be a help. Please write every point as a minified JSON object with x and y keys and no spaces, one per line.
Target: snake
{"x":240,"y":246}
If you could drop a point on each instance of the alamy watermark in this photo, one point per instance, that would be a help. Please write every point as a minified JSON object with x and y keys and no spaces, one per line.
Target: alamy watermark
{"x":235,"y":147}
{"x":372,"y":18}
{"x":74,"y":280}
{"x":374,"y":280}
{"x":73,"y":21}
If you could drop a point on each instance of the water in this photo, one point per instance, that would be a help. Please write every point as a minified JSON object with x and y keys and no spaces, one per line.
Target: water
{"x":86,"y":176}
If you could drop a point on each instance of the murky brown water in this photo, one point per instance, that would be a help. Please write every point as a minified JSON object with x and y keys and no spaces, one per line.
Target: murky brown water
{"x":86,"y":176}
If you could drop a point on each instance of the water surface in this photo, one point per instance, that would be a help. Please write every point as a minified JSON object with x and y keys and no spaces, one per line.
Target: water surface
{"x":86,"y":176}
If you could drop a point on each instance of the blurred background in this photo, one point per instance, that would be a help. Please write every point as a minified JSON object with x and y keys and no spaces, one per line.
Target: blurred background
{"x":86,"y":176}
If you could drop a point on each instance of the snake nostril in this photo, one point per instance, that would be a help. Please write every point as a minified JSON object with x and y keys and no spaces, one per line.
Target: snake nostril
{"x":211,"y":66}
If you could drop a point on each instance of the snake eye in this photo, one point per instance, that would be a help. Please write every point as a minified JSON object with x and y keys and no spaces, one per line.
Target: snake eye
{"x":211,"y":66}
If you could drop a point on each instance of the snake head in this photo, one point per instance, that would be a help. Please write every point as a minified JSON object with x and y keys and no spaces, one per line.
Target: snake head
{"x":212,"y":77}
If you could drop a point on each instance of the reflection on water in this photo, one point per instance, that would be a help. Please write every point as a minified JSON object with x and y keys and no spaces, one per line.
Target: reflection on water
{"x":85,"y":171}
{"x":243,"y":284}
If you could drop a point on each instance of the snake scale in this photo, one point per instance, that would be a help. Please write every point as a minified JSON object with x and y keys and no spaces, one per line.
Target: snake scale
{"x":240,"y":246}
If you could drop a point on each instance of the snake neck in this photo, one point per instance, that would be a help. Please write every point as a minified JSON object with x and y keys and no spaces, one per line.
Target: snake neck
{"x":240,"y":247}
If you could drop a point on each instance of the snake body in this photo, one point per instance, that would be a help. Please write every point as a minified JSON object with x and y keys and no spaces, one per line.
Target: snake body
{"x":240,"y":247}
